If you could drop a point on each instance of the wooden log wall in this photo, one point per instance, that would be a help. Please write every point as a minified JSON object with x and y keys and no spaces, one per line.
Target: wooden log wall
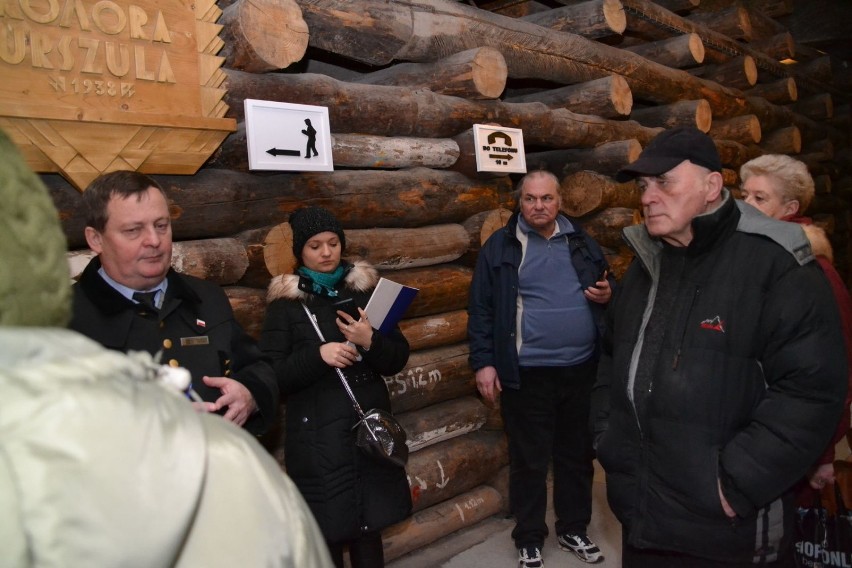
{"x":589,"y":83}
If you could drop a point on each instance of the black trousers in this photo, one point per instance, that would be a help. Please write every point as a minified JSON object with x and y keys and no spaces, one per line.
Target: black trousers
{"x":365,"y":552}
{"x":548,"y":418}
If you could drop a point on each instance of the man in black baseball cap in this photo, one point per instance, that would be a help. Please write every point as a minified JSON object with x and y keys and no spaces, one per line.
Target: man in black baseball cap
{"x":679,"y":173}
{"x":671,"y":147}
{"x":722,"y":374}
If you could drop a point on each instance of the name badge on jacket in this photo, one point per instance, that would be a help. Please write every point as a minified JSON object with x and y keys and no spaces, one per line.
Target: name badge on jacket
{"x":198,"y":340}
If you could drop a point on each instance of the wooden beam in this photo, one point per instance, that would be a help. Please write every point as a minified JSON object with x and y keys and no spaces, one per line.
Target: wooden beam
{"x":377,"y":109}
{"x":359,"y":199}
{"x":683,"y":113}
{"x":779,"y":46}
{"x":424,"y":527}
{"x":608,"y":97}
{"x":607,"y":158}
{"x":605,"y":226}
{"x":353,"y":151}
{"x":586,"y":192}
{"x":733,"y":22}
{"x":436,"y":330}
{"x":779,"y":92}
{"x":737,"y":73}
{"x":432,"y":376}
{"x":478,"y":73}
{"x":782,"y":141}
{"x":592,"y":19}
{"x":816,"y":107}
{"x":443,"y":421}
{"x":744,"y":129}
{"x":679,"y":6}
{"x":417,"y":30}
{"x":680,"y":51}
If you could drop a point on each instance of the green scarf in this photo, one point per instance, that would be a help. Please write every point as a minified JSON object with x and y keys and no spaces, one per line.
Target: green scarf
{"x":323,"y":283}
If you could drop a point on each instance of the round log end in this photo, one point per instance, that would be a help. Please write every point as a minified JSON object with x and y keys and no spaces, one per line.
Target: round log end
{"x":582,"y":193}
{"x":615,"y":16}
{"x":754,"y":129}
{"x":703,"y":115}
{"x":278,"y":250}
{"x":750,"y":70}
{"x":792,"y":89}
{"x":634,"y":148}
{"x":622,"y":96}
{"x":489,"y":72}
{"x":744,"y":23}
{"x":696,"y":48}
{"x":495,"y":220}
{"x":275,"y":31}
{"x":796,"y":140}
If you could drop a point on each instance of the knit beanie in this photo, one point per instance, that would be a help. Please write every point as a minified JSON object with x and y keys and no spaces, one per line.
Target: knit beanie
{"x":35,"y":286}
{"x":309,"y":221}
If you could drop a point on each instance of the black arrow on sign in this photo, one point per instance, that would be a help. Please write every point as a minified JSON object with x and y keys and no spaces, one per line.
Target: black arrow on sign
{"x":506,"y":157}
{"x":277,"y":152}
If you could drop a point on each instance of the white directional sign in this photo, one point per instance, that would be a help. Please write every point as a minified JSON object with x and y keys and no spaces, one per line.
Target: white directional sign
{"x":285,"y":136}
{"x":499,"y":149}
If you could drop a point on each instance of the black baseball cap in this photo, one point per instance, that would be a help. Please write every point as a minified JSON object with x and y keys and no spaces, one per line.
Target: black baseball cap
{"x":668,"y":149}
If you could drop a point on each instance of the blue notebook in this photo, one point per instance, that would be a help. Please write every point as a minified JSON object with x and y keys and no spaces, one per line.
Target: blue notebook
{"x":388,"y":303}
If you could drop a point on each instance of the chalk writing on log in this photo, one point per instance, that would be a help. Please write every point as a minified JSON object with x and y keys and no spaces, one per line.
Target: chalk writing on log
{"x":414,"y":379}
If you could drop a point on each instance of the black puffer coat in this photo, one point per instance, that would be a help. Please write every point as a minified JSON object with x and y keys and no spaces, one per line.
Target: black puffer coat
{"x":348,"y":492}
{"x":747,"y":390}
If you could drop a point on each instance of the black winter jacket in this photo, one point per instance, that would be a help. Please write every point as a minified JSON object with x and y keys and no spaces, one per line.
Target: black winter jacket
{"x":347,"y":491}
{"x":195,"y":329}
{"x":747,"y":390}
{"x":492,"y":306}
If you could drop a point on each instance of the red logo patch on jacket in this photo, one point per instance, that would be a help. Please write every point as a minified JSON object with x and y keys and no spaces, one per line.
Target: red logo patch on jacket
{"x":714,"y":324}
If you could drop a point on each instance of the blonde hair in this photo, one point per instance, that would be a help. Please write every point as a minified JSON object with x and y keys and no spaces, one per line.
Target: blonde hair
{"x":790,"y":177}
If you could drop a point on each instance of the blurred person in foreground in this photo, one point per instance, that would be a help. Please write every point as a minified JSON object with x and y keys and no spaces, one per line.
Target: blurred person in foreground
{"x":352,"y":495}
{"x":782,"y":187}
{"x":129,"y":298}
{"x":103,"y":462}
{"x":723,"y":374}
{"x":536,"y":313}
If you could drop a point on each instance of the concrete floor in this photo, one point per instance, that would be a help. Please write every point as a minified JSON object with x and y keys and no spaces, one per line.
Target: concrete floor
{"x":489,"y":543}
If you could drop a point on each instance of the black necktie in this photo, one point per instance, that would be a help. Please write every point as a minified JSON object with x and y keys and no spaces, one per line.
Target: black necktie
{"x":146,"y":299}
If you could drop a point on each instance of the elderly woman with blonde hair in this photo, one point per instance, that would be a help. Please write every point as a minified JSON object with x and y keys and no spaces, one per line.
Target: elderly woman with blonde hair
{"x":782,"y":188}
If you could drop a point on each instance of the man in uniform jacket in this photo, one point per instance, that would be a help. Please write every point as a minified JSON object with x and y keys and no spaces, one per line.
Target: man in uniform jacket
{"x":188,"y":320}
{"x":723,"y":373}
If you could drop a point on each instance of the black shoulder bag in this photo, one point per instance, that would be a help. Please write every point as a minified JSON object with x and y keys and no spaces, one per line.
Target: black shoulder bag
{"x":378,"y":433}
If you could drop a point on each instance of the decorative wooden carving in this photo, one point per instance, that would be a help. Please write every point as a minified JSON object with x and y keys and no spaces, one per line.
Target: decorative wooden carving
{"x":96,"y":87}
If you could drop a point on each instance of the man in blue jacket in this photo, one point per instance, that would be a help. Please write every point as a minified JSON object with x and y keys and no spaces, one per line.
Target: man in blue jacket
{"x":535,"y":316}
{"x":723,"y":373}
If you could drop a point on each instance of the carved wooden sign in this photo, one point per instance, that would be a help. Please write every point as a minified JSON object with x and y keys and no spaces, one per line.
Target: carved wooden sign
{"x":90,"y":86}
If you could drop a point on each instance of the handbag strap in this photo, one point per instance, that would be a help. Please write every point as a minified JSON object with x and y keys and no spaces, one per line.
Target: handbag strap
{"x":312,"y":318}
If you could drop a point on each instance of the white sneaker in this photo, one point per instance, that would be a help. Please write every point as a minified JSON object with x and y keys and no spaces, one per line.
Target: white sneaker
{"x":581,"y":545}
{"x":530,"y":557}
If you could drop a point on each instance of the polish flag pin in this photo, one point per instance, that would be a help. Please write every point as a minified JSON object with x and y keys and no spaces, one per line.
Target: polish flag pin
{"x":200,"y":323}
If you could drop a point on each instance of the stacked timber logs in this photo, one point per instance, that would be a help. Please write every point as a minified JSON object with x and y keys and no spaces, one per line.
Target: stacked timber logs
{"x":590,"y":83}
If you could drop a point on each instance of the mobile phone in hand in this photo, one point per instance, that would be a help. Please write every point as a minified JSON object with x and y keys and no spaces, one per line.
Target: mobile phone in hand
{"x":347,"y":306}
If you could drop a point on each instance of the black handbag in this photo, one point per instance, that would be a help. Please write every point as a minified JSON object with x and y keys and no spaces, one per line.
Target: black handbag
{"x":378,"y":433}
{"x":823,"y":538}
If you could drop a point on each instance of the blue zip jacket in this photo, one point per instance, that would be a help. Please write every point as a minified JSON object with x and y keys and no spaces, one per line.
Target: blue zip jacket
{"x":492,"y":306}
